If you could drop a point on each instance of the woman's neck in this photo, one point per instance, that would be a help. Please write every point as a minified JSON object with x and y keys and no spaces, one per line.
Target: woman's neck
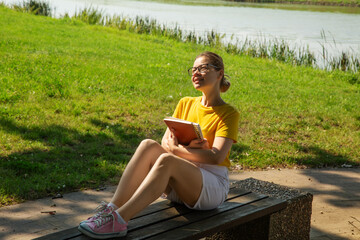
{"x":211,"y":100}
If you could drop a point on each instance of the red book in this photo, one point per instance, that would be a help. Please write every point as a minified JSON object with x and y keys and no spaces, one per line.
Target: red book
{"x":184,"y":131}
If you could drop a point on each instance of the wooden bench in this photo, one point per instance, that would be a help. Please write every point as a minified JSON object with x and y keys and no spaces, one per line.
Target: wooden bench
{"x":166,"y":220}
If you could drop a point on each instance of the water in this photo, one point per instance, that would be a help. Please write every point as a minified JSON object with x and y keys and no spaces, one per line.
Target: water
{"x":300,"y":28}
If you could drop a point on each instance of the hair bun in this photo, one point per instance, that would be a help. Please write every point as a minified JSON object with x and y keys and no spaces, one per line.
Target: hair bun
{"x":224,"y":85}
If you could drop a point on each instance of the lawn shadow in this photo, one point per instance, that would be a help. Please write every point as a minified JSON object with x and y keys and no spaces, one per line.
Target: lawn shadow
{"x":70,"y":158}
{"x":321,"y":158}
{"x":237,"y":149}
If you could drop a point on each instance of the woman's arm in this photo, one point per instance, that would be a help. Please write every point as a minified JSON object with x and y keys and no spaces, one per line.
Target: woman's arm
{"x":198,"y":151}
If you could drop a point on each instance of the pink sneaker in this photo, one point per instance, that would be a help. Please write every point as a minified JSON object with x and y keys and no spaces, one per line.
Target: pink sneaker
{"x":105,"y":226}
{"x":103,"y":208}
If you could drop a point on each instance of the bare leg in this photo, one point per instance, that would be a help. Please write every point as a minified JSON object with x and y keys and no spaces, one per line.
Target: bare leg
{"x":183,"y":176}
{"x":137,"y":169}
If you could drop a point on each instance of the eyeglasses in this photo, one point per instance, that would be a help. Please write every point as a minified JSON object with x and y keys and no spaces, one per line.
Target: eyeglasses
{"x":204,"y":68}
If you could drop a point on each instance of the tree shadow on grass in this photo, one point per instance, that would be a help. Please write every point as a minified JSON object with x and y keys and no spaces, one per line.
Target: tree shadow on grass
{"x":70,"y":159}
{"x":237,"y":150}
{"x":319,"y":157}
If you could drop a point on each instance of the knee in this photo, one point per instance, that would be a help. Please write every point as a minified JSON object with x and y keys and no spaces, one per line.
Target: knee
{"x":166,"y":160}
{"x":147,"y":143}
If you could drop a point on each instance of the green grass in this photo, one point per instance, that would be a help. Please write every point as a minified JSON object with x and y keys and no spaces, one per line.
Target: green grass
{"x":76,"y":100}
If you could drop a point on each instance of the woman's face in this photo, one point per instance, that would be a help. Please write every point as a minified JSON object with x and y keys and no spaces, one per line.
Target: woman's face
{"x":205,"y":76}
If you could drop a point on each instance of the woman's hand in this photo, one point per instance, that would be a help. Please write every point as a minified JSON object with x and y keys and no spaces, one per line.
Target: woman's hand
{"x":199,"y":144}
{"x":173,"y":140}
{"x":170,"y":142}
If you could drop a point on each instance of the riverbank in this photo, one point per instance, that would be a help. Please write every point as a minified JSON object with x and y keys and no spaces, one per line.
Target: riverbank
{"x":76,"y":99}
{"x":339,"y":3}
{"x":345,"y":6}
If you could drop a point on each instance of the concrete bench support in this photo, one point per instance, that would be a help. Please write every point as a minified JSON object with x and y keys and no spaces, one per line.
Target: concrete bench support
{"x":293,"y":222}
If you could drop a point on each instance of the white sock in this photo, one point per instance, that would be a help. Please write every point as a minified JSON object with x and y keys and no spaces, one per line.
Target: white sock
{"x":113,"y":206}
{"x":120,"y":219}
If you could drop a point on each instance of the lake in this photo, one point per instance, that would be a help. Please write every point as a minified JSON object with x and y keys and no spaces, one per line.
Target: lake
{"x":301,"y":28}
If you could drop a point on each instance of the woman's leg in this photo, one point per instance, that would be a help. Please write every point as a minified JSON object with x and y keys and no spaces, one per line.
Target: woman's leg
{"x":137,"y":169}
{"x":169,"y":170}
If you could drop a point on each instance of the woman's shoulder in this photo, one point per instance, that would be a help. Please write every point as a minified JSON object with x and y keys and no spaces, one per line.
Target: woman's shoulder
{"x":190,"y":99}
{"x":228,"y":111}
{"x":229,"y":108}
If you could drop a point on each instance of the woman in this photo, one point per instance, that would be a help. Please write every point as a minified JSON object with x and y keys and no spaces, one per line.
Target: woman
{"x":195,"y":175}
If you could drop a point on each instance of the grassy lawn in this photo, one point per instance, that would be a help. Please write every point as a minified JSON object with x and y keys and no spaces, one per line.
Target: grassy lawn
{"x":75,"y":101}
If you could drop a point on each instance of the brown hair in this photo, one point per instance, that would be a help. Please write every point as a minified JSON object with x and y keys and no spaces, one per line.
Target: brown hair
{"x":217,"y":61}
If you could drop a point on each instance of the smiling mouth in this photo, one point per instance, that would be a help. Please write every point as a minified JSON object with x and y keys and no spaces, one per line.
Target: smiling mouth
{"x":197,"y":80}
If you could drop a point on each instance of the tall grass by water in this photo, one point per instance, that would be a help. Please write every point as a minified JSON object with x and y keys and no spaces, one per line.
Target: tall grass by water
{"x":345,"y":61}
{"x":76,"y":100}
{"x":277,"y":49}
{"x":35,"y":7}
{"x":272,"y":49}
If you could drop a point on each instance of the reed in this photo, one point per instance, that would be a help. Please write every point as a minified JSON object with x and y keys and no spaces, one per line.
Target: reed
{"x":344,"y":61}
{"x":34,"y":7}
{"x":263,"y":48}
{"x":90,"y":15}
{"x":276,"y":49}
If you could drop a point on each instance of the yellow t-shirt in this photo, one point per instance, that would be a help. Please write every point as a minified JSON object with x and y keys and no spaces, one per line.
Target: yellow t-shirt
{"x":217,"y":121}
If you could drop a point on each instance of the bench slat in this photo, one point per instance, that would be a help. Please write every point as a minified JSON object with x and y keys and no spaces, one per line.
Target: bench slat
{"x":153,"y":208}
{"x":72,"y":233}
{"x":224,"y":220}
{"x":150,"y":228}
{"x":192,"y":216}
{"x":169,"y":213}
{"x":160,"y":218}
{"x":136,"y":222}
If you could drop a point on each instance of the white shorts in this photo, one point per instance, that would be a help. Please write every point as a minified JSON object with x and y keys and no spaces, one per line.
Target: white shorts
{"x":214,"y":190}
